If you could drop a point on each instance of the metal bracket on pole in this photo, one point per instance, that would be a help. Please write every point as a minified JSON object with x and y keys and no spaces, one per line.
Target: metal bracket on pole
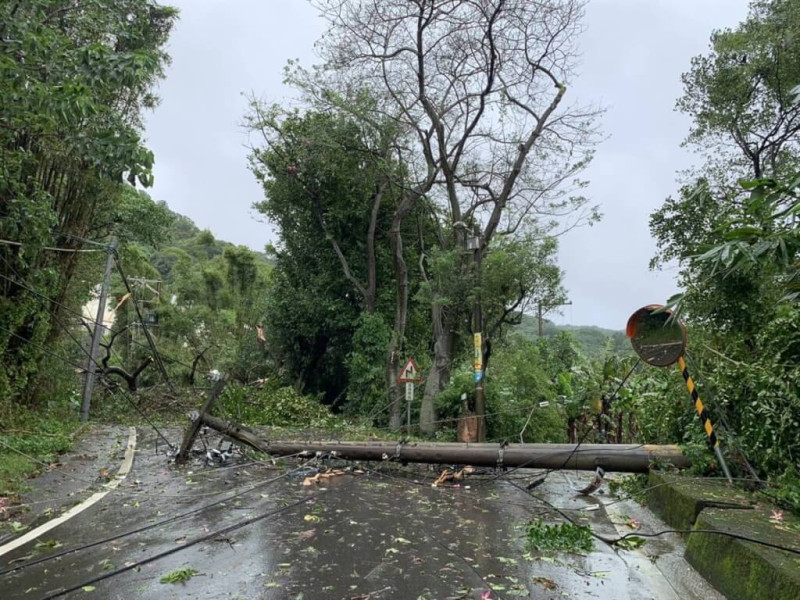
{"x":397,"y":450}
{"x":500,"y":454}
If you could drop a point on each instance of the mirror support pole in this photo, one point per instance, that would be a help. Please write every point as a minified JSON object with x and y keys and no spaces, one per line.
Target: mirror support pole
{"x":705,"y":419}
{"x":723,"y":463}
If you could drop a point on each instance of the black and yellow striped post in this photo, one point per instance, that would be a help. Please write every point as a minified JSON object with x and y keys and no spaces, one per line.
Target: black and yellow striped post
{"x":660,"y":341}
{"x":705,"y":419}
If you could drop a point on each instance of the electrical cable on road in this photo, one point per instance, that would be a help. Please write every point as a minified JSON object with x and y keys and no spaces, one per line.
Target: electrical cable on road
{"x":613,"y":542}
{"x":443,"y":546}
{"x":166,"y":521}
{"x":149,"y":492}
{"x":206,"y":538}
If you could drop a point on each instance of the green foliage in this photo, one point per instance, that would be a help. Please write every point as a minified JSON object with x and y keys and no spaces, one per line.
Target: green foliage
{"x":631,"y":486}
{"x":631,"y":543}
{"x":764,"y":239}
{"x":519,"y":272}
{"x":564,"y":537}
{"x":593,"y":342}
{"x":784,"y":489}
{"x":516,"y":383}
{"x":274,"y":406}
{"x":366,"y":365}
{"x":138,"y":219}
{"x":179,"y":575}
{"x":733,"y":232}
{"x":42,"y":436}
{"x":741,"y":97}
{"x":322,"y":172}
{"x":74,"y":83}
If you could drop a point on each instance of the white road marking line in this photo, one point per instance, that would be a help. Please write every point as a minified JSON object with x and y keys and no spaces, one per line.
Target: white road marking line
{"x":124,"y":469}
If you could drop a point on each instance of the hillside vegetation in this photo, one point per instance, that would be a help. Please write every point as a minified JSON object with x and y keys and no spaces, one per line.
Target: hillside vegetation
{"x":592,"y":341}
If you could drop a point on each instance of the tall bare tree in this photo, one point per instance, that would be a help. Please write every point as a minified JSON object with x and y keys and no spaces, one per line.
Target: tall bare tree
{"x":478,"y":87}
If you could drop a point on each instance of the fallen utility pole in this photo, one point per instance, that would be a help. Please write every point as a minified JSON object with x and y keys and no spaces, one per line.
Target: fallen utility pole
{"x":191,"y":433}
{"x":631,"y":458}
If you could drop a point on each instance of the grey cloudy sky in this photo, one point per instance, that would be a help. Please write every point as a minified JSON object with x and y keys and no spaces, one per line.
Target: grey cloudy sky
{"x":634,"y":52}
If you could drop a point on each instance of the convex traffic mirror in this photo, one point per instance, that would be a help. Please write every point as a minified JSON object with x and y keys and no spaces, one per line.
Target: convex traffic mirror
{"x":657,"y":337}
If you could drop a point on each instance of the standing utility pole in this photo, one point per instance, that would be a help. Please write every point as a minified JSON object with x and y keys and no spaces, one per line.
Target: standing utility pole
{"x":97,"y":334}
{"x":540,"y":312}
{"x":474,"y":244}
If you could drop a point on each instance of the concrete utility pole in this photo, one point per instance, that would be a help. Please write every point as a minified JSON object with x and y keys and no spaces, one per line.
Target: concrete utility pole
{"x":191,"y":432}
{"x":97,"y":334}
{"x":474,"y":244}
{"x":631,"y":458}
{"x":540,"y":313}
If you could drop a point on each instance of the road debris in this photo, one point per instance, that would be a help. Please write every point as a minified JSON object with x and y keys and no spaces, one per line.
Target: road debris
{"x":449,"y":475}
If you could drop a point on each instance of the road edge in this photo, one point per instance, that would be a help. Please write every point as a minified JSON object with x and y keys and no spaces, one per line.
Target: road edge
{"x":124,"y":469}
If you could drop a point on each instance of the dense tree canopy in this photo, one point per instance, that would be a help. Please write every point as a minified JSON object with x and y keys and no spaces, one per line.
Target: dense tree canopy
{"x":733,"y":232}
{"x":74,"y":78}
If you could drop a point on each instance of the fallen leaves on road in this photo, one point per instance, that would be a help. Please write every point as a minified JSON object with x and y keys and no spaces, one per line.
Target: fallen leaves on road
{"x":179,"y":576}
{"x":311,"y":480}
{"x":448,"y":475}
{"x":546,"y":583}
{"x":630,"y":543}
{"x":17,"y":527}
{"x":307,"y":535}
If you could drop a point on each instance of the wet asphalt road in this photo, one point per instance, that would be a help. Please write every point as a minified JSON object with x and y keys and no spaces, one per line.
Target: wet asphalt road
{"x":382,"y":534}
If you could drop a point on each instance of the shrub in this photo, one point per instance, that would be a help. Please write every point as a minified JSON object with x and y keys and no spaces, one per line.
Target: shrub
{"x":516,"y":384}
{"x":274,"y":406}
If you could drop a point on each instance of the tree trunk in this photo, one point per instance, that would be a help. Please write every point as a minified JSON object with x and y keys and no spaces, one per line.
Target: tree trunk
{"x":394,"y":389}
{"x":439,"y":374}
{"x":372,"y":278}
{"x":397,"y":343}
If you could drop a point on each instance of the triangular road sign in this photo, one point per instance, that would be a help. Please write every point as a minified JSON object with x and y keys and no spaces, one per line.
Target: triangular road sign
{"x":409,"y":373}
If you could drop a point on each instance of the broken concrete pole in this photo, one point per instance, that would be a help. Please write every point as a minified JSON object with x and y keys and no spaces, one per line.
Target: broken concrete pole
{"x":631,"y":458}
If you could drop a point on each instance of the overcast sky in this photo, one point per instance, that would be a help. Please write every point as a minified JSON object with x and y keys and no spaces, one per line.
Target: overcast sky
{"x":634,"y":53}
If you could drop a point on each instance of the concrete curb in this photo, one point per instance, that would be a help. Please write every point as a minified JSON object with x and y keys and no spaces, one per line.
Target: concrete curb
{"x":743,"y":570}
{"x":679,"y":500}
{"x":740,"y":570}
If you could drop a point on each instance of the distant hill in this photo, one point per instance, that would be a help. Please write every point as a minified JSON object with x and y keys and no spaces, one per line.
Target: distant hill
{"x":185,"y":238}
{"x":591,"y":339}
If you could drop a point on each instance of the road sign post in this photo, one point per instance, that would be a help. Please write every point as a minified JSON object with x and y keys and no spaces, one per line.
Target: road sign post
{"x":409,"y":375}
{"x":409,"y":402}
